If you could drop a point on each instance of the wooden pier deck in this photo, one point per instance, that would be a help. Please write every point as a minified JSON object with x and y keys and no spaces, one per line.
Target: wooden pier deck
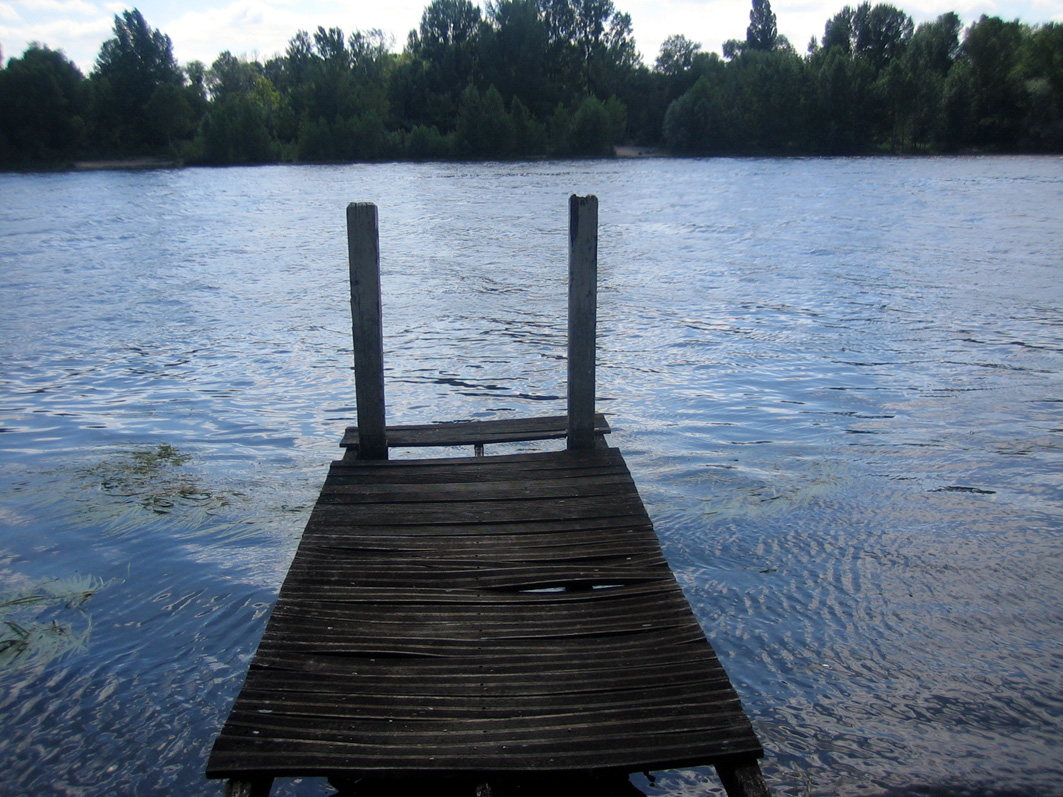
{"x":482,"y":617}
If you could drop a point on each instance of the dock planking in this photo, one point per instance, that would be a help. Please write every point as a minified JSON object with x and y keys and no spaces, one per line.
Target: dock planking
{"x":481,"y":623}
{"x":482,"y":617}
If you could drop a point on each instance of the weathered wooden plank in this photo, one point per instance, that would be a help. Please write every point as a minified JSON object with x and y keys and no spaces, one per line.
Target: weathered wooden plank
{"x":322,"y":528}
{"x":342,"y":474}
{"x":532,"y":462}
{"x":646,"y":751}
{"x":467,"y":433}
{"x":353,"y":697}
{"x":641,"y":608}
{"x":547,"y":647}
{"x":557,"y":576}
{"x":525,"y":730}
{"x":442,"y":512}
{"x":526,"y":548}
{"x":497,"y":559}
{"x":572,"y":487}
{"x":436,"y":594}
{"x":273,"y":665}
{"x":327,"y":631}
{"x":435,"y":649}
{"x":381,"y":747}
{"x":498,"y":695}
{"x":443,"y":620}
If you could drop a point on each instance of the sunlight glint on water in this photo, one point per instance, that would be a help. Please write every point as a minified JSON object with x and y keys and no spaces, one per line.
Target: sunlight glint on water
{"x":837,"y":383}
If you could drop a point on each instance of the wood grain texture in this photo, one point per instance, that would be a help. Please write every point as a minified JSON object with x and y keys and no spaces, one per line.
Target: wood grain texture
{"x":477,"y":616}
{"x":363,"y":251}
{"x":471,"y":433}
{"x":582,"y":318}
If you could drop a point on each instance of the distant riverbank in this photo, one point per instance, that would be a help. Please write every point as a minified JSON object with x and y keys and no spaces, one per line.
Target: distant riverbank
{"x":124,"y":164}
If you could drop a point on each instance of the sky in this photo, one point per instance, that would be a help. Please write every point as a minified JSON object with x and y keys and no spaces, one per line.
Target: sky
{"x":202,"y":29}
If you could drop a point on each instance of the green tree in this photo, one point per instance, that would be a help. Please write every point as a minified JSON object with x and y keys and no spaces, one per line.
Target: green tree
{"x":676,"y":56}
{"x":920,"y":105}
{"x":699,"y":122}
{"x":230,"y":76}
{"x":882,"y":33}
{"x":935,"y":45}
{"x":484,"y":128}
{"x":991,"y":51}
{"x":839,"y":33}
{"x":1041,"y":72}
{"x":170,"y":114}
{"x":129,"y":70}
{"x":427,"y":143}
{"x":444,"y":53}
{"x":529,"y":135}
{"x":762,"y":33}
{"x":43,"y":105}
{"x":877,"y":33}
{"x":770,"y":101}
{"x":513,"y":54}
{"x":614,"y":59}
{"x":590,"y":46}
{"x":241,"y":125}
{"x":196,"y":88}
{"x":595,"y":127}
{"x":841,"y":121}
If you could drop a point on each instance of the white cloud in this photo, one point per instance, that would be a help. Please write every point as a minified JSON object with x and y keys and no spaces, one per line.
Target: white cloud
{"x":263,"y":28}
{"x":60,"y":7}
{"x":9,"y":13}
{"x":79,"y":40}
{"x":248,"y":27}
{"x":710,"y":23}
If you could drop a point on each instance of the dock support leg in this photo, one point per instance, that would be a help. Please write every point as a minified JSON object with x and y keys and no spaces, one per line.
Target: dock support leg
{"x":582,"y":317}
{"x":363,"y":250}
{"x":249,"y":787}
{"x":743,"y":780}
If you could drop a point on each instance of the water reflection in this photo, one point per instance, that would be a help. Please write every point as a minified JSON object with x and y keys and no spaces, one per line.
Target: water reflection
{"x":840,"y":405}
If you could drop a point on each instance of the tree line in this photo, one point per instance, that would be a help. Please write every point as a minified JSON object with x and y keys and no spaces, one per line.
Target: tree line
{"x":529,"y":78}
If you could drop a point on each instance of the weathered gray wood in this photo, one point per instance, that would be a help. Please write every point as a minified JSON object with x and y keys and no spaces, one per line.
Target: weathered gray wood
{"x":463,"y":433}
{"x":743,"y":780}
{"x":481,"y":616}
{"x":250,"y":787}
{"x":363,"y":249}
{"x":412,"y":634}
{"x":582,"y":318}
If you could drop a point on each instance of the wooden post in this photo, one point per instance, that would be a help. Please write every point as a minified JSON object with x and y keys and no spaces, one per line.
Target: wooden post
{"x":582,"y":317}
{"x":743,"y":780}
{"x":257,"y":786}
{"x":363,"y":249}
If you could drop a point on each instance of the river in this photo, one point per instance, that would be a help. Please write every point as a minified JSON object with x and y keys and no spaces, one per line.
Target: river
{"x":838,"y":385}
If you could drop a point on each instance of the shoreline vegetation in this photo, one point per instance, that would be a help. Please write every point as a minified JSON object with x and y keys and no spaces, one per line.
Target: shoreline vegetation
{"x":542,"y":79}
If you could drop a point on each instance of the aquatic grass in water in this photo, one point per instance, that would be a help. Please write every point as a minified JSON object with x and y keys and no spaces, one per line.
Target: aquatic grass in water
{"x":46,"y":621}
{"x":156,"y":479}
{"x":755,"y":493}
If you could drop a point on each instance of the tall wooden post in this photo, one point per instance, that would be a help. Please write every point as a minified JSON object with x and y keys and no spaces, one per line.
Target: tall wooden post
{"x":582,"y":317}
{"x":363,"y":249}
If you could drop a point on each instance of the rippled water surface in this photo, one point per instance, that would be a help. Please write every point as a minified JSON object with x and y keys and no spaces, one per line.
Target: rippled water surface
{"x":838,"y":383}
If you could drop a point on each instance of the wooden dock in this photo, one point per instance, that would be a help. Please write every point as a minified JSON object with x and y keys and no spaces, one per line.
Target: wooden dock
{"x":483,"y":619}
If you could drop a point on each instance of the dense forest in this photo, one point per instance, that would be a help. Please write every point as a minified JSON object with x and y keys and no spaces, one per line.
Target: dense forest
{"x":527,"y":78}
